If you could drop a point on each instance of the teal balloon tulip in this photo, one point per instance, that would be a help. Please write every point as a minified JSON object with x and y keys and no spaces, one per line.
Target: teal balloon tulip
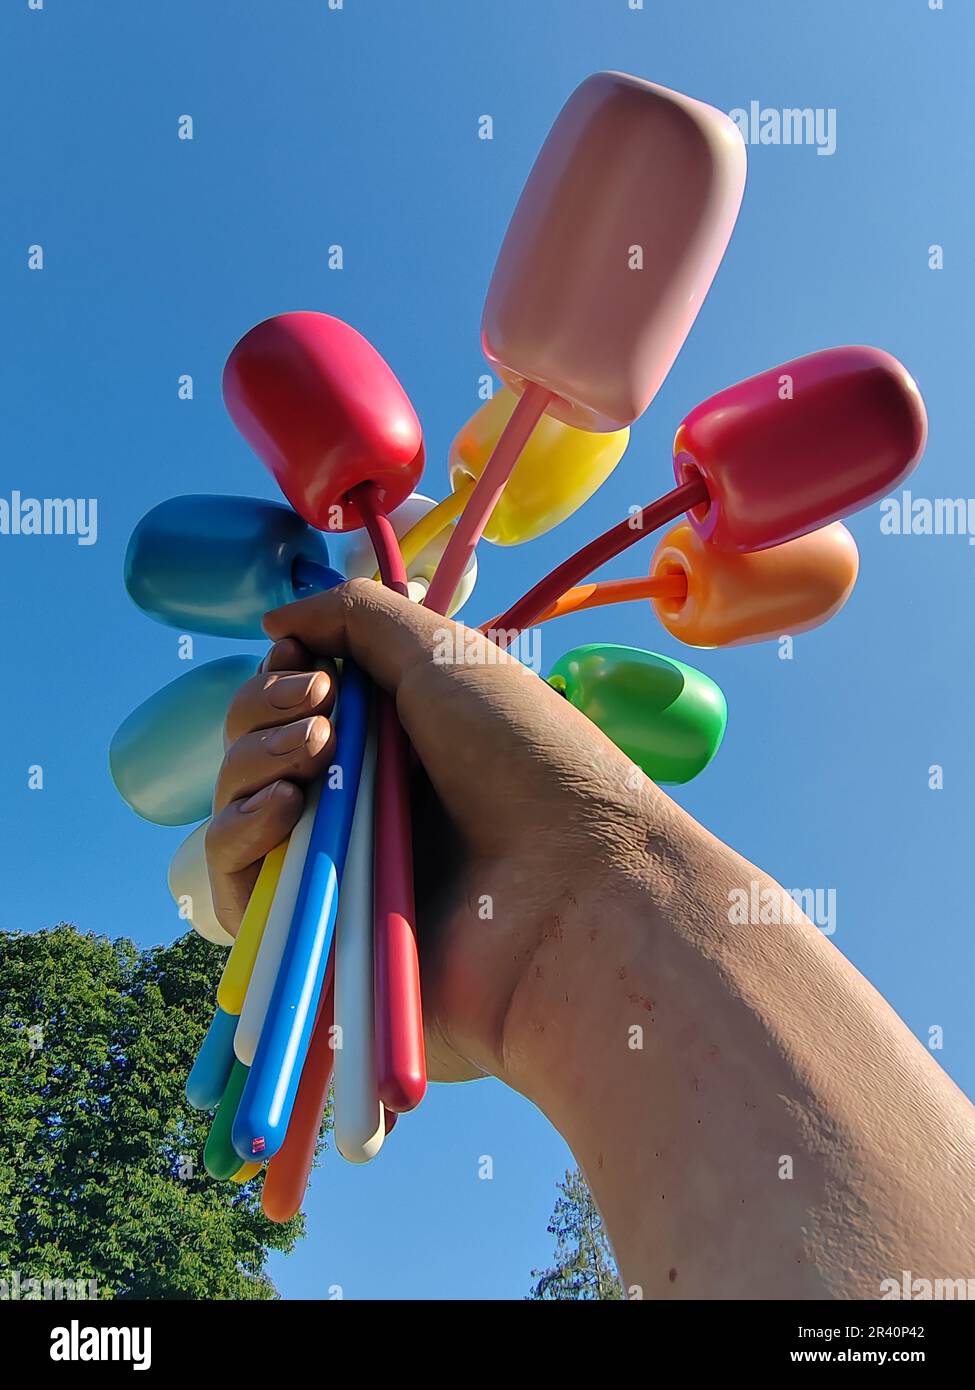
{"x":166,"y":755}
{"x":666,"y":717}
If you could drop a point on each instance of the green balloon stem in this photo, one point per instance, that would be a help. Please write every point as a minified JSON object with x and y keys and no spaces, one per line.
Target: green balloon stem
{"x":220,"y":1158}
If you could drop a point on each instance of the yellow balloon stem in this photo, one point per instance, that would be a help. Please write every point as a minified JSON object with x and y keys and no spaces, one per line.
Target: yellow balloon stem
{"x":248,"y":1171}
{"x":237,"y":969}
{"x":612,"y":591}
{"x":428,"y":528}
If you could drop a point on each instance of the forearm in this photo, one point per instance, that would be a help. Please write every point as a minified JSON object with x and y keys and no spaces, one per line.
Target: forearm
{"x":753,"y":1119}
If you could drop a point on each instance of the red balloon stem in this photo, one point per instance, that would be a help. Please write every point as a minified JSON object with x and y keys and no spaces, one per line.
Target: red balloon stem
{"x":400,"y":1056}
{"x":579,"y":566}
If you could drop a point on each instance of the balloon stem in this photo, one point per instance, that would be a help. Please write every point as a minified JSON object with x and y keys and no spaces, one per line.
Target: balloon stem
{"x":661,"y":586}
{"x":392,"y":570}
{"x":482,"y":501}
{"x":308,"y":577}
{"x":579,"y":566}
{"x":400,"y":1058}
{"x":429,"y":527}
{"x":289,"y":1169}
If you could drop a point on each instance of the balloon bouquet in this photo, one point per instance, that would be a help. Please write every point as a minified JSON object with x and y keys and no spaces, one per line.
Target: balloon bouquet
{"x":611,"y":250}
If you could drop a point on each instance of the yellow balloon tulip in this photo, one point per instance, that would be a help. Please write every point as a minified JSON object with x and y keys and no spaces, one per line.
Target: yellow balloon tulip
{"x":246,"y":1172}
{"x":559,"y":470}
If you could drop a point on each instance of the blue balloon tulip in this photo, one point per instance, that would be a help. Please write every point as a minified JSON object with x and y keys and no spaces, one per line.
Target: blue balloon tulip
{"x":165,"y":757}
{"x":217,"y":564}
{"x":214,"y":1063}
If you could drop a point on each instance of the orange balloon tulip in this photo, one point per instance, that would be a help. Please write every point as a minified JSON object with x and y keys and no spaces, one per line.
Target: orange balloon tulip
{"x":736,"y":598}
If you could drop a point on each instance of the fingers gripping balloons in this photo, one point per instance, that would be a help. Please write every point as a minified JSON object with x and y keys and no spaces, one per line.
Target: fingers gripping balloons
{"x":607,"y":259}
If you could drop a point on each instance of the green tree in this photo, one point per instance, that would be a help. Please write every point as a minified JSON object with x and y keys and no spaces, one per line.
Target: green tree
{"x":584,"y":1264}
{"x":101,"y":1157}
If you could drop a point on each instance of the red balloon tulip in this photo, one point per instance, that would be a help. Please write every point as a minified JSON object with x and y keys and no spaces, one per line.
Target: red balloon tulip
{"x":324,"y":412}
{"x":800,"y":445}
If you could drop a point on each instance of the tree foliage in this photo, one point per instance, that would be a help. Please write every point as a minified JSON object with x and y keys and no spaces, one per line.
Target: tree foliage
{"x":101,"y":1157}
{"x":584,"y":1265}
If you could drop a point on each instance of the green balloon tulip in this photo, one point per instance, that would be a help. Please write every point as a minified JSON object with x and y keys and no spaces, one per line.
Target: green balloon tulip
{"x":666,"y":717}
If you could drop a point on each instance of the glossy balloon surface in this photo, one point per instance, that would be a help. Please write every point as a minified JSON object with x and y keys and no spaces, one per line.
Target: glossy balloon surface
{"x":801,"y":445}
{"x":735,"y":598}
{"x":218,"y":564}
{"x":219,"y":1157}
{"x":559,"y":469}
{"x":324,"y":412}
{"x":208,"y":1078}
{"x":166,"y":755}
{"x":612,"y":248}
{"x":666,"y":717}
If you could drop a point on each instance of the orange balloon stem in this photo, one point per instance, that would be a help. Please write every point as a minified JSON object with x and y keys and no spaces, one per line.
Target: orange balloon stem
{"x":611,"y":591}
{"x":288,"y":1171}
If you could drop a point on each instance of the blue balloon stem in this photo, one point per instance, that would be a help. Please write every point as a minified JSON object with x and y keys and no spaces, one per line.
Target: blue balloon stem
{"x":208,"y":1078}
{"x":309,"y":577}
{"x":268,"y":1098}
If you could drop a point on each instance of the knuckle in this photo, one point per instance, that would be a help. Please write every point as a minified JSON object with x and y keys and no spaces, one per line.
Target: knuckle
{"x":358,"y":589}
{"x":283,"y":647}
{"x":240,"y":708}
{"x":357,"y":597}
{"x":213,"y":843}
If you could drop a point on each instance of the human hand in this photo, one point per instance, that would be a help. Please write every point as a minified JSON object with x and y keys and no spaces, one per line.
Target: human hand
{"x":525,"y":815}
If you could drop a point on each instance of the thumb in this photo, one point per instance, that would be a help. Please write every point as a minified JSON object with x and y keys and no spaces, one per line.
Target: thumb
{"x":386,"y":634}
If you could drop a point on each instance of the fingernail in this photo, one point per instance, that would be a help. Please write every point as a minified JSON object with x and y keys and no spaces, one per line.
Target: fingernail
{"x":318,"y":734}
{"x":288,"y":691}
{"x":260,"y":798}
{"x":290,"y":737}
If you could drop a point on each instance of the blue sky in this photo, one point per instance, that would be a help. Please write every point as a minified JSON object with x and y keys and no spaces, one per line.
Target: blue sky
{"x":359,"y":127}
